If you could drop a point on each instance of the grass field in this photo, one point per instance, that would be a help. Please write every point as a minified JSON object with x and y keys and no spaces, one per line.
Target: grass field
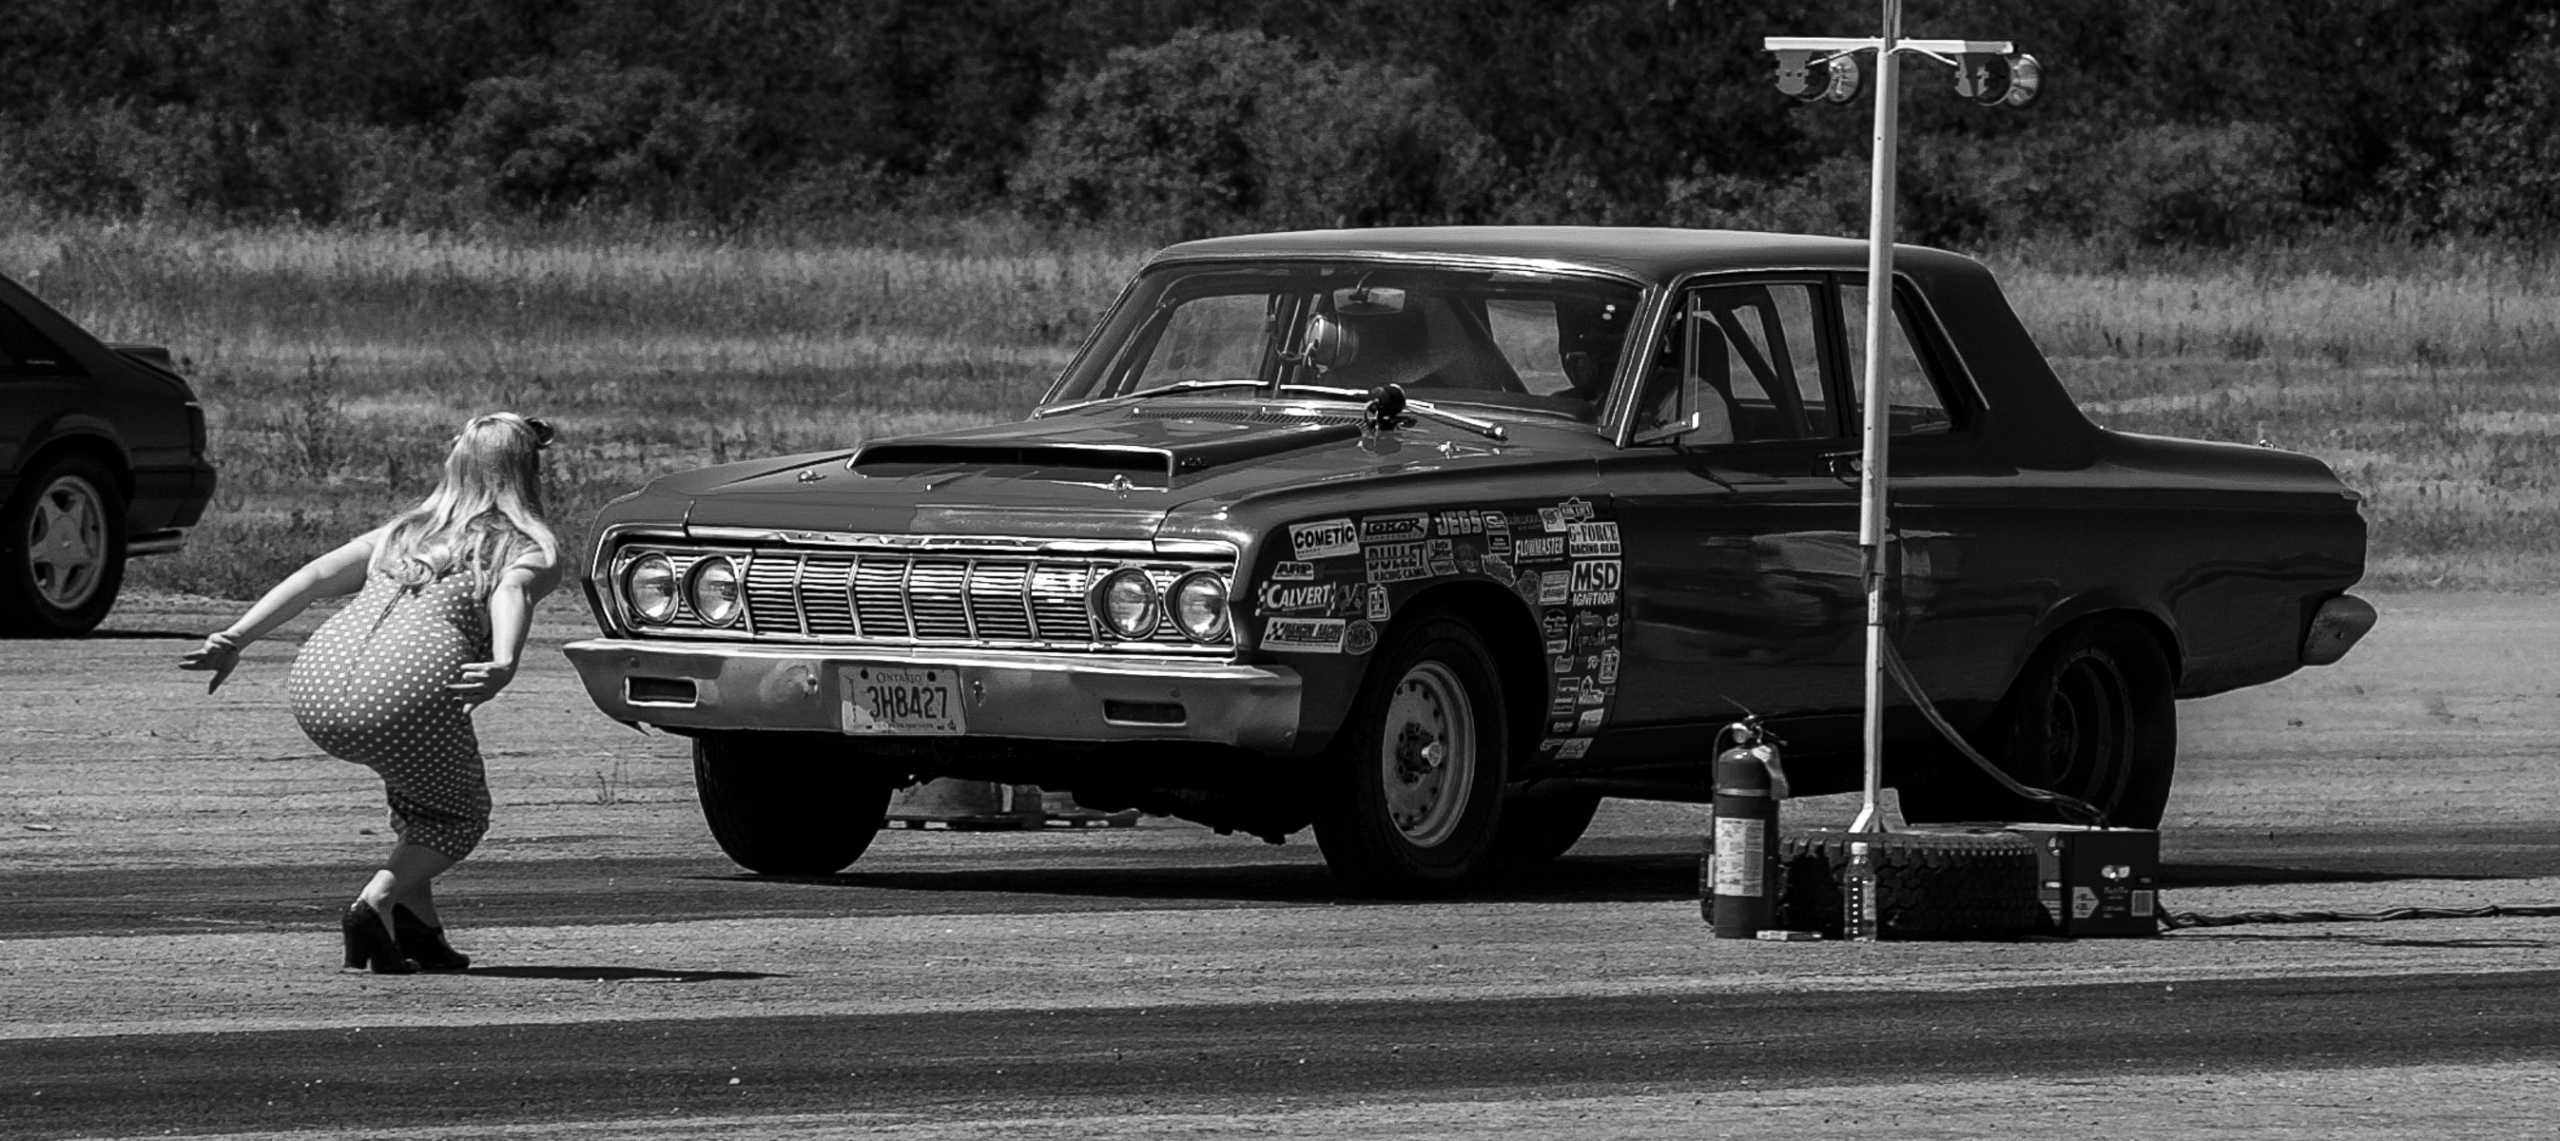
{"x":335,"y":365}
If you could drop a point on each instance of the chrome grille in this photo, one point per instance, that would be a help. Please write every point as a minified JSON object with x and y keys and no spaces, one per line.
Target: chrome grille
{"x":994,"y":598}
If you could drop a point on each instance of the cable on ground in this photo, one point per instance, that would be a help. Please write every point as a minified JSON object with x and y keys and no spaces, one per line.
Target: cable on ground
{"x":2081,"y":810}
{"x":2172,"y":921}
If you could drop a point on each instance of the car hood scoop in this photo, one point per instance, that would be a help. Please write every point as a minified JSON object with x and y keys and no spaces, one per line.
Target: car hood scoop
{"x":1114,"y":450}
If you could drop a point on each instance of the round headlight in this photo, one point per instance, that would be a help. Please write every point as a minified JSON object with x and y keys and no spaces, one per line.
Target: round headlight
{"x":649,"y":585}
{"x":714,"y":591}
{"x":1199,"y":604}
{"x":1127,"y":604}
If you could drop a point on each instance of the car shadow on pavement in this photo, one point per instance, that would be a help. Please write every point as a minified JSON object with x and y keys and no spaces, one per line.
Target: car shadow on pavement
{"x":1612,"y":878}
{"x":616,"y":974}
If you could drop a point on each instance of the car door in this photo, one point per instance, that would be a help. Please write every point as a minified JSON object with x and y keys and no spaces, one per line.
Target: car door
{"x":1737,"y":497}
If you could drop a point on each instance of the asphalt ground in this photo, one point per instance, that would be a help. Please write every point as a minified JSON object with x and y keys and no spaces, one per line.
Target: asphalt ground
{"x":170,"y":866}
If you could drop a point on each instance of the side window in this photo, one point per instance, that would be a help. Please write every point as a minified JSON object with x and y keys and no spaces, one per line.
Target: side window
{"x":1913,"y":404}
{"x":1738,"y":364}
{"x":1207,"y":338}
{"x":26,"y":352}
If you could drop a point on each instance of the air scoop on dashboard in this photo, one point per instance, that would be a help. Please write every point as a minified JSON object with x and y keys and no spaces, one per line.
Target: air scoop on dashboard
{"x":1166,"y":451}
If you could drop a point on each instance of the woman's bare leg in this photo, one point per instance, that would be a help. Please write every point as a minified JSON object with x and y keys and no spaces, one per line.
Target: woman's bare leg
{"x":407,"y":878}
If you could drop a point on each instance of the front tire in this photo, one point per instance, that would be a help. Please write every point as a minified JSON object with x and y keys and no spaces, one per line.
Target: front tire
{"x":2094,"y":716}
{"x":1411,"y":798}
{"x":61,"y":549}
{"x":787,"y":804}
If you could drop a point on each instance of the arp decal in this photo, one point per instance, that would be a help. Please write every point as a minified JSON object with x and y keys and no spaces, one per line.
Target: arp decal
{"x":1394,"y":528}
{"x":1324,"y":539}
{"x":1293,"y":571}
{"x":1286,"y":597}
{"x":1305,"y":635}
{"x":1397,"y":562}
{"x":1597,"y":540}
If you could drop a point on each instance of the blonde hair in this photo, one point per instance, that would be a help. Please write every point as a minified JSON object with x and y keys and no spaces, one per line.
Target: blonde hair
{"x":485,"y":516}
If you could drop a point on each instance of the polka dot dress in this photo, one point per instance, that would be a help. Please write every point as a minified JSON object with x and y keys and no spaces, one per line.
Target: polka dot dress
{"x":369,"y":687}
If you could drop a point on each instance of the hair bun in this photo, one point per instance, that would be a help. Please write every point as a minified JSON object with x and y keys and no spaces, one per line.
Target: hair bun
{"x":542,"y":431}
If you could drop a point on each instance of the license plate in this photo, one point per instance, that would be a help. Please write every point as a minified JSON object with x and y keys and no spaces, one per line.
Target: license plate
{"x":902,"y":700}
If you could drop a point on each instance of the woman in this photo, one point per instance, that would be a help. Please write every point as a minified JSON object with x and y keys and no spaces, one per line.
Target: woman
{"x":444,"y":596}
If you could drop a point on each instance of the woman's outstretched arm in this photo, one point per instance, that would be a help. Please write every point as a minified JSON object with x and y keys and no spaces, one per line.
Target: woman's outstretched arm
{"x":510,"y":619}
{"x":337,"y":573}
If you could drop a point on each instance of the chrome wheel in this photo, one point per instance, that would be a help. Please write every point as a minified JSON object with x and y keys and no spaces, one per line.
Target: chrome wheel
{"x":1427,"y":756}
{"x":66,"y":542}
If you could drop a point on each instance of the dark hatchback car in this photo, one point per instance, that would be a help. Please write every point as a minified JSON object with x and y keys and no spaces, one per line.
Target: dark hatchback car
{"x":102,"y":458}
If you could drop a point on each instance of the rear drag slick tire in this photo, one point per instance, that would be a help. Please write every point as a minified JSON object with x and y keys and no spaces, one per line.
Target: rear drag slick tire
{"x":788,"y":804}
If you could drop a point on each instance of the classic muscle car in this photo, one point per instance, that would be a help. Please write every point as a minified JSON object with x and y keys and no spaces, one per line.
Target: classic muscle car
{"x":1431,"y":538}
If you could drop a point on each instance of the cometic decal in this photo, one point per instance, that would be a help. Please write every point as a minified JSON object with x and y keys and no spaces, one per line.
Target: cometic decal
{"x":1324,"y":539}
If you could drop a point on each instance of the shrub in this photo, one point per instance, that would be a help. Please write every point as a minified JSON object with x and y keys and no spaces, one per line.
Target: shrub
{"x":112,"y":159}
{"x":583,"y":132}
{"x":2208,"y":186}
{"x":1211,"y":129}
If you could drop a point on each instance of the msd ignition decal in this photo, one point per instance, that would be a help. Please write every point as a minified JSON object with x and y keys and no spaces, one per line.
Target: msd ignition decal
{"x":1395,"y":528}
{"x":1324,"y":539}
{"x":1595,"y":583}
{"x":1304,"y":635}
{"x":1289,"y":597}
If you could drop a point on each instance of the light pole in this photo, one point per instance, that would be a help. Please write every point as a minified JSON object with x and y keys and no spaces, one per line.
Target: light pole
{"x":1989,"y":72}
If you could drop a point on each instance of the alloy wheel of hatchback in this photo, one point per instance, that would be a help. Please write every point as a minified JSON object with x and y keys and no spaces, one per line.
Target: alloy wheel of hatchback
{"x":66,"y":542}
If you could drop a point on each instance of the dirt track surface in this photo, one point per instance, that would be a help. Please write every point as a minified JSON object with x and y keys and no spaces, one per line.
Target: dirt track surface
{"x":170,"y":865}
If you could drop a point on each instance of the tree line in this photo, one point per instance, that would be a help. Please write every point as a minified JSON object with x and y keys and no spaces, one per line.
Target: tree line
{"x":2164,"y":121}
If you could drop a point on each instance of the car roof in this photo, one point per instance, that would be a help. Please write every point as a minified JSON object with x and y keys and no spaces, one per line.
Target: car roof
{"x":1648,"y":254}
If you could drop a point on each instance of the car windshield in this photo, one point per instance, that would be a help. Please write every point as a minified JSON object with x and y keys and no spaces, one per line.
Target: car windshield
{"x":1504,"y":339}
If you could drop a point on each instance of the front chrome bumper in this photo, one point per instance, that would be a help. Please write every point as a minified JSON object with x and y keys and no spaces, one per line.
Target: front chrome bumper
{"x":1052,"y":697}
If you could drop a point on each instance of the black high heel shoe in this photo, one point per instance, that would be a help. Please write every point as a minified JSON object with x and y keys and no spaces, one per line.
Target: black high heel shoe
{"x":425,"y":944}
{"x":369,"y":943}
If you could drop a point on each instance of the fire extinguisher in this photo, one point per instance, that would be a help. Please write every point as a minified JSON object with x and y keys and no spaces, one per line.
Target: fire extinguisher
{"x":1738,"y":879}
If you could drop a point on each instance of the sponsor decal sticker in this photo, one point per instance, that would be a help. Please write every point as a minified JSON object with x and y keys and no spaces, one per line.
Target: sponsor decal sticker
{"x":1309,"y":635}
{"x":1324,"y":539}
{"x":1551,"y":519}
{"x":1394,"y":528}
{"x":1574,"y":510}
{"x":1467,"y":560}
{"x":1564,"y":663}
{"x":1563,"y":703}
{"x":1590,"y":720}
{"x":1529,"y":588}
{"x":1284,"y":597}
{"x":1593,"y":540}
{"x":1293,"y":571}
{"x":1560,"y":725}
{"x":1378,"y":604}
{"x":1608,"y":667}
{"x":1497,"y":534}
{"x":1396,"y":562}
{"x":1595,"y":582}
{"x":1496,"y":568}
{"x":1461,"y":522}
{"x":1539,"y":550}
{"x":1574,"y":748}
{"x":1592,"y":694}
{"x":1359,"y":637}
{"x":1554,"y":587}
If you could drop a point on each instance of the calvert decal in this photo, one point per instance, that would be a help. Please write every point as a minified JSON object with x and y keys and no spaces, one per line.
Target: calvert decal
{"x":1397,"y":562}
{"x":1394,"y":528}
{"x":1292,"y":571}
{"x":1593,"y":540}
{"x":1324,"y":539}
{"x":1305,"y":635}
{"x":1284,"y":597}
